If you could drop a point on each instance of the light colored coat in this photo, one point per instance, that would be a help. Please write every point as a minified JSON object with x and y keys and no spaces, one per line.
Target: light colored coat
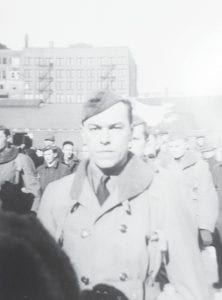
{"x":115,"y":244}
{"x":196,"y":179}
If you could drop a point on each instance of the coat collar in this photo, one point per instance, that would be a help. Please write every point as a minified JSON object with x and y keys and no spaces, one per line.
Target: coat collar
{"x":132,"y":181}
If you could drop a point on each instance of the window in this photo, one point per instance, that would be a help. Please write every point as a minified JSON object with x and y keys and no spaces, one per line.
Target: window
{"x":80,"y":98}
{"x":4,"y":60}
{"x":3,"y":74}
{"x":15,"y":61}
{"x":1,"y":87}
{"x":89,"y":86}
{"x":80,"y":60}
{"x":80,"y":86}
{"x":79,"y":73}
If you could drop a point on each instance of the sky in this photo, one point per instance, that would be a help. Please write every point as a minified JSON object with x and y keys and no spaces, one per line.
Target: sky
{"x":176,"y":44}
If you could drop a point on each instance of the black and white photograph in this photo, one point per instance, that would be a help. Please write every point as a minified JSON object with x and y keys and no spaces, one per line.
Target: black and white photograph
{"x":111,"y":150}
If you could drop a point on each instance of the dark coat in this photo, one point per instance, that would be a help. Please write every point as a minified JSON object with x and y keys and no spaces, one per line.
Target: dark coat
{"x":32,"y":265}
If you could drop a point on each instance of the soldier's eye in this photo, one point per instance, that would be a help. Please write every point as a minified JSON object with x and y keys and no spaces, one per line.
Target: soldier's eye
{"x":116,"y":126}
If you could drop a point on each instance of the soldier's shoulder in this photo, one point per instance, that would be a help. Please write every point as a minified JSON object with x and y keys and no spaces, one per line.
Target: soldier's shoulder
{"x":62,"y":183}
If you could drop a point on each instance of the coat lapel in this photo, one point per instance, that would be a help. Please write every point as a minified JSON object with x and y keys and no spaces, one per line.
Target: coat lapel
{"x":135,"y":178}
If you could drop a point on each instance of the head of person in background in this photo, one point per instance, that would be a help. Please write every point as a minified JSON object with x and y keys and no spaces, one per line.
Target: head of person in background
{"x":49,"y":140}
{"x":200,"y":140}
{"x":5,"y":136}
{"x":68,"y":150}
{"x":33,"y":266}
{"x":107,"y":130}
{"x":50,"y":154}
{"x":177,"y":145}
{"x":140,"y":137}
{"x":69,"y":157}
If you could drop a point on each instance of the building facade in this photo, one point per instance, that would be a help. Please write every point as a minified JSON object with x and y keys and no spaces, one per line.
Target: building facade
{"x":11,"y":81}
{"x":69,"y":75}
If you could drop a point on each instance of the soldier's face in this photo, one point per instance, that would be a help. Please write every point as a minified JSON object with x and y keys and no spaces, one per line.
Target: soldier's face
{"x":177,"y":148}
{"x":67,"y":150}
{"x":3,"y":139}
{"x":138,"y":140}
{"x":107,"y":136}
{"x":49,"y":156}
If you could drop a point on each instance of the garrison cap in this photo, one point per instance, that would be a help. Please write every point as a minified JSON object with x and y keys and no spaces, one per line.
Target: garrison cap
{"x":137,"y":121}
{"x":50,"y":137}
{"x":50,"y":147}
{"x":99,"y":103}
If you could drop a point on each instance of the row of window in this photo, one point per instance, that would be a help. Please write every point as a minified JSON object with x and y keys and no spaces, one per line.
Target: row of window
{"x":58,"y":98}
{"x":80,"y":85}
{"x":90,"y":73}
{"x":81,"y":61}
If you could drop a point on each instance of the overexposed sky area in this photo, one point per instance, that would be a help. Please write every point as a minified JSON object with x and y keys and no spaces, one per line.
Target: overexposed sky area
{"x":177,"y":44}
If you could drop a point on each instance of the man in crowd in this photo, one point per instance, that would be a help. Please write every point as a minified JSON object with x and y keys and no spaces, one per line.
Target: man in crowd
{"x":197,"y":180}
{"x":140,"y":137}
{"x":49,"y":140}
{"x":69,"y":158}
{"x":52,"y":169}
{"x":111,"y":215}
{"x":18,"y":181}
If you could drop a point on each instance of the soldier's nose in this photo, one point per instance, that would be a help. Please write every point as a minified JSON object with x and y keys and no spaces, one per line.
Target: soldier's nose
{"x":104,"y":136}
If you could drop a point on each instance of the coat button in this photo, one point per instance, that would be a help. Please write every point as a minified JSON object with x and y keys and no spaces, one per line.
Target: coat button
{"x":84,"y":233}
{"x":123,"y":228}
{"x":123,"y":276}
{"x":85,"y":280}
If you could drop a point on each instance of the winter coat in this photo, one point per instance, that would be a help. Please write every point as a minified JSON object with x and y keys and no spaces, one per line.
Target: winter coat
{"x":196,"y":179}
{"x":121,"y":243}
{"x":18,"y":169}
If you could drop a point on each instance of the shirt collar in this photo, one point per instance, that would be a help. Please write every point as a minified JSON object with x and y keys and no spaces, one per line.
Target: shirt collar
{"x":135,"y":177}
{"x":55,"y":165}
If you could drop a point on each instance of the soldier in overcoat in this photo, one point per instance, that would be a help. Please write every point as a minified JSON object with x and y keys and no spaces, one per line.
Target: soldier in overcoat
{"x":116,"y":217}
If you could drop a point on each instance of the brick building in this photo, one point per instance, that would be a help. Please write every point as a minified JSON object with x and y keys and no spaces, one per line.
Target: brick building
{"x":70,"y":75}
{"x":11,"y":82}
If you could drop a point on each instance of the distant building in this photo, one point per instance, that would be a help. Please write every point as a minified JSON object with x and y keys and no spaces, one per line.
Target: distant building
{"x":11,"y":82}
{"x":70,"y":75}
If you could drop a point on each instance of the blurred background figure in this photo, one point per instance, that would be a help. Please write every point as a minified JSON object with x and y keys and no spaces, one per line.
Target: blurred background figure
{"x":52,"y":169}
{"x":200,"y":142}
{"x":140,"y":138}
{"x":32,"y":265}
{"x":197,"y":181}
{"x":49,"y":140}
{"x":19,"y":185}
{"x":69,"y":158}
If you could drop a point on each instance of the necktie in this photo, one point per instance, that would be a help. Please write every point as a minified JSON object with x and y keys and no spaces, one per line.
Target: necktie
{"x":102,"y":192}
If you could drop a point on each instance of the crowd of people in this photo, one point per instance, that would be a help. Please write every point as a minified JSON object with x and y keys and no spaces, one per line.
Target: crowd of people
{"x":129,"y":221}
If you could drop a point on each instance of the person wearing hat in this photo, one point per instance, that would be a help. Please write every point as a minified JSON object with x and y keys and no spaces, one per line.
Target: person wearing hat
{"x":196,"y":179}
{"x":52,"y":169}
{"x":49,"y":140}
{"x":114,"y":215}
{"x":140,"y":137}
{"x":19,"y":185}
